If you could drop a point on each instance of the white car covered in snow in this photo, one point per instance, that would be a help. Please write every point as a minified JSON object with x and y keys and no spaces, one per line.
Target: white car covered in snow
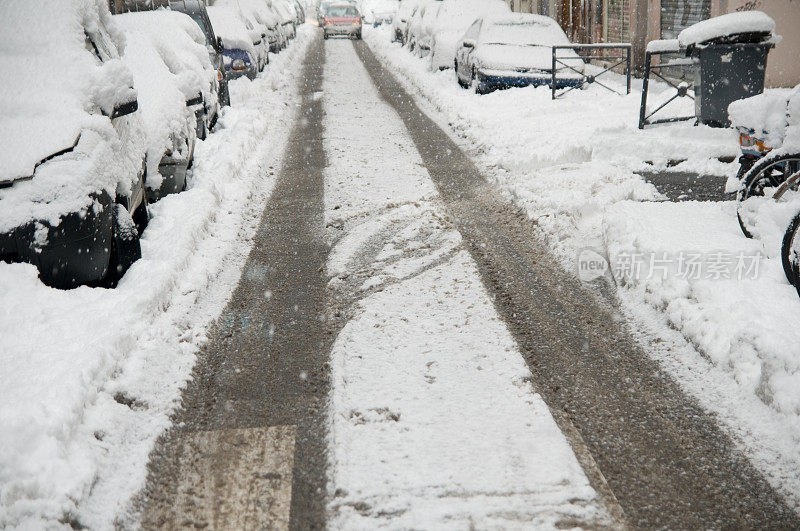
{"x":514,"y":51}
{"x":377,"y":12}
{"x":288,"y":15}
{"x":177,"y":92}
{"x":452,"y":20}
{"x":420,"y":27}
{"x":401,"y":18}
{"x":72,"y":198}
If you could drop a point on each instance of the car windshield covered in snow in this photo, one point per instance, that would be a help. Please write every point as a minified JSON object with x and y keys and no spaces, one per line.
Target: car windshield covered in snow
{"x":533,"y":33}
{"x":342,"y":11}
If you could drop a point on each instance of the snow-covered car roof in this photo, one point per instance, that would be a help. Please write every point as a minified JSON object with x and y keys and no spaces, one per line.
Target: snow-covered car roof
{"x":57,"y":84}
{"x":244,"y":10}
{"x":726,"y":25}
{"x":262,"y":12}
{"x":523,"y":40}
{"x":286,"y":13}
{"x":166,"y":53}
{"x":230,"y":28}
{"x":524,"y":29}
{"x":457,"y":15}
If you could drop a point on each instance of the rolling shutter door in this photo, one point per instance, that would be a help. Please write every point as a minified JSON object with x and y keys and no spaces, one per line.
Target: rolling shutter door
{"x":677,"y":15}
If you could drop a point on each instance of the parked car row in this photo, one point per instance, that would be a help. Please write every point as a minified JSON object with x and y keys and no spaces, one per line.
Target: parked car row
{"x":102,"y":119}
{"x":487,"y":45}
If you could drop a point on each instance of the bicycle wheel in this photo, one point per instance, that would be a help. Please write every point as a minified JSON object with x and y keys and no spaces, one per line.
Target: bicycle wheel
{"x":773,"y":177}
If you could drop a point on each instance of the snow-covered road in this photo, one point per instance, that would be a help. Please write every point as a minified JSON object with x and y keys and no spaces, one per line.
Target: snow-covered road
{"x":361,"y":328}
{"x":433,"y":423}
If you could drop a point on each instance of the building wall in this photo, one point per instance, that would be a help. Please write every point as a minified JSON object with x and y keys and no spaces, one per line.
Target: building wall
{"x":644,"y":24}
{"x":783,"y":65}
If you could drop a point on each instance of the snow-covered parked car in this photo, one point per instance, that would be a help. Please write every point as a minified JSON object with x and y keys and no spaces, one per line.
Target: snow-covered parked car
{"x":268,"y":16}
{"x":72,"y":198}
{"x":420,"y":27}
{"x":301,"y":12}
{"x":177,"y":92}
{"x":401,"y":18}
{"x":377,"y":12}
{"x":256,"y":30}
{"x":288,"y":15}
{"x":513,"y":51}
{"x":239,"y":56}
{"x":452,"y":20}
{"x":196,"y":9}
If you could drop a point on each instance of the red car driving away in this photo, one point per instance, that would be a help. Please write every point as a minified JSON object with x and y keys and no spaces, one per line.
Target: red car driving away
{"x":342,"y":19}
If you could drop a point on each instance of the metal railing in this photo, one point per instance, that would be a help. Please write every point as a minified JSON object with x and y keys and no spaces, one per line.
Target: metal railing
{"x":623,"y":57}
{"x":682,"y":88}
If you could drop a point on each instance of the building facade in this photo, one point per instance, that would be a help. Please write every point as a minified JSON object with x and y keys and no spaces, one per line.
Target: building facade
{"x":640,"y":21}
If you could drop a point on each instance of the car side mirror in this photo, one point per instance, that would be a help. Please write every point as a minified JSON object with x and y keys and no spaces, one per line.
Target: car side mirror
{"x":197,"y":100}
{"x":468,"y":43}
{"x":125,"y":108}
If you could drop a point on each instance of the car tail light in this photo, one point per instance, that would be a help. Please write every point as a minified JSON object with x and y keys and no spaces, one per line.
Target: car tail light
{"x":358,"y":20}
{"x":238,"y":64}
{"x":747,"y":141}
{"x":328,"y":22}
{"x":219,"y":75}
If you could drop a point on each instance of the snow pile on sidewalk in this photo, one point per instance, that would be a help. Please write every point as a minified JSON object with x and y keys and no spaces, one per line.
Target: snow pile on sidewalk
{"x":688,"y":267}
{"x":433,"y":423}
{"x":90,"y":375}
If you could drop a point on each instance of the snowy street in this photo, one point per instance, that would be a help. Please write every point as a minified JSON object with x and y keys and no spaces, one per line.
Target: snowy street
{"x":367,"y":310}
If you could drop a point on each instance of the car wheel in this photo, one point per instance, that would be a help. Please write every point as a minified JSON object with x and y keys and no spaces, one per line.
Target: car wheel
{"x":224,"y":95}
{"x":325,"y":36}
{"x":458,"y":77}
{"x":141,"y":216}
{"x":201,"y":129}
{"x":125,"y":246}
{"x":358,"y":36}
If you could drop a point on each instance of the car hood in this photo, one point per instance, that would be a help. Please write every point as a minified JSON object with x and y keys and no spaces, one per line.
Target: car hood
{"x":56,"y":81}
{"x":518,"y":57}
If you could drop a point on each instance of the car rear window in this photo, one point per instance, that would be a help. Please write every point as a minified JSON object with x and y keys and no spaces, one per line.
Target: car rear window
{"x":342,"y":11}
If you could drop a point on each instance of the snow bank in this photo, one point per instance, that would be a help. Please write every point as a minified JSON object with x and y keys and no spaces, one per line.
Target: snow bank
{"x":727,"y":25}
{"x":90,"y":375}
{"x":728,"y":296}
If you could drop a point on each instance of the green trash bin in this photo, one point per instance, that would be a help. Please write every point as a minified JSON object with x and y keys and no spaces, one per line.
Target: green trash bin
{"x":731,"y":52}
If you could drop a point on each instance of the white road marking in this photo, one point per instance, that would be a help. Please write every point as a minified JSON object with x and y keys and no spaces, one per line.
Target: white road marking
{"x":234,"y":479}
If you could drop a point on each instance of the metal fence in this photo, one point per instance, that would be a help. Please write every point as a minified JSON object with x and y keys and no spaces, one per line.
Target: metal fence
{"x":683,"y":88}
{"x":584,"y":54}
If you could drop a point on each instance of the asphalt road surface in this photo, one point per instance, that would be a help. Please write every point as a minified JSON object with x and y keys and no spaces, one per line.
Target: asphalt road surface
{"x":247,"y":449}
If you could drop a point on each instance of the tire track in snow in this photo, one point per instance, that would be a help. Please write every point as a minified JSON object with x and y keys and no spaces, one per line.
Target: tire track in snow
{"x":664,"y":458}
{"x":433,"y":423}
